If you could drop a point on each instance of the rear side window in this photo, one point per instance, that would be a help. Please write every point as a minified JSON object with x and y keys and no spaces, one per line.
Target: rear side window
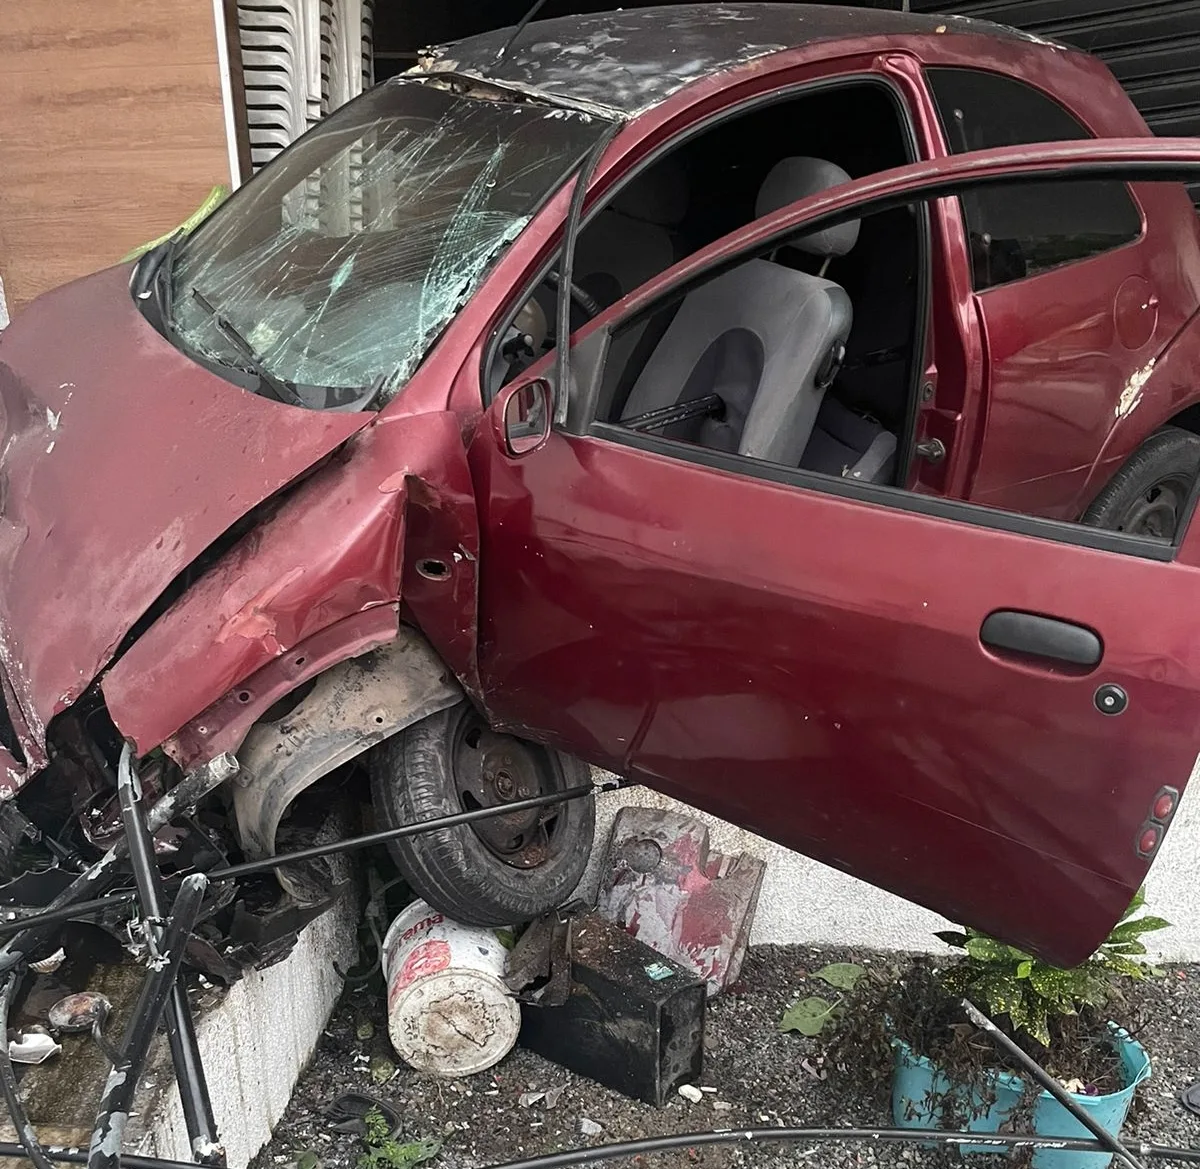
{"x":1019,"y":231}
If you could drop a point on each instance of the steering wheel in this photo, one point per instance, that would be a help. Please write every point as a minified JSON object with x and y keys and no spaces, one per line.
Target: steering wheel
{"x":581,"y":298}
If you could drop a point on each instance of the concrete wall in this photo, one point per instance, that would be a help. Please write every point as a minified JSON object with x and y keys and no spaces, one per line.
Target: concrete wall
{"x":255,"y":1040}
{"x":806,"y":902}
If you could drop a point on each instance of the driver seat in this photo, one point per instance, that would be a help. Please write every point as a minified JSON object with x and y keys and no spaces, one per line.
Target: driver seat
{"x":768,"y":339}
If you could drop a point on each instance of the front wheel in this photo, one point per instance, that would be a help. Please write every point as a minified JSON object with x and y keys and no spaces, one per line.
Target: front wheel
{"x":1148,"y":495}
{"x":502,"y":871}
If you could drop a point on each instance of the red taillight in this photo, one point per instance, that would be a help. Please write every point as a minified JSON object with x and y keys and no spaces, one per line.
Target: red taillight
{"x":1149,"y":839}
{"x":1164,"y":804}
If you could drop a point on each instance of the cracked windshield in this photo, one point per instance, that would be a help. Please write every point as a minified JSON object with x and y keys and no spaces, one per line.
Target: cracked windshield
{"x":330,"y":275}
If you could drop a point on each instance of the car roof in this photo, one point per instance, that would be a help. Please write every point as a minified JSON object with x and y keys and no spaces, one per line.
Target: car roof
{"x":621,"y":63}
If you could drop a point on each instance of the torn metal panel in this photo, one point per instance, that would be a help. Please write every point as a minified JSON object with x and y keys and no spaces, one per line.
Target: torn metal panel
{"x":344,"y":261}
{"x":623,"y":63}
{"x":152,"y":458}
{"x":224,"y":725}
{"x":335,"y":548}
{"x":352,"y":707}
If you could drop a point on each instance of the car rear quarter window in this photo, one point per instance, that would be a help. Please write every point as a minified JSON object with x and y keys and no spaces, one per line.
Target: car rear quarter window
{"x":1021,"y":230}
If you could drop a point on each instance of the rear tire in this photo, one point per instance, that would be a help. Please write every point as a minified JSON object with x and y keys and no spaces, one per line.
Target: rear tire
{"x":1148,"y":495}
{"x":496,"y":872}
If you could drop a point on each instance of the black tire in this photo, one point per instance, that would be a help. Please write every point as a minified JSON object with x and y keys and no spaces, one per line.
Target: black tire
{"x":1147,"y":496}
{"x":482,"y":874}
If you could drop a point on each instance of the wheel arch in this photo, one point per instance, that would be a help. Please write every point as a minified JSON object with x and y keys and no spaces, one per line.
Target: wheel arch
{"x":1163,"y":392}
{"x":348,"y":709}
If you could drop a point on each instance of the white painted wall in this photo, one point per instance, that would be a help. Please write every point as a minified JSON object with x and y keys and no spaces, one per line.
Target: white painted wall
{"x":806,"y":902}
{"x":255,"y":1042}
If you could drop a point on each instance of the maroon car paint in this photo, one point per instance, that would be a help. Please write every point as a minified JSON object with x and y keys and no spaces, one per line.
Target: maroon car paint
{"x":815,"y":674}
{"x":335,"y":548}
{"x":123,"y":460}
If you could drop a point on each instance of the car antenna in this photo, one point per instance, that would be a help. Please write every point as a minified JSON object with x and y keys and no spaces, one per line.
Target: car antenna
{"x":534,"y":9}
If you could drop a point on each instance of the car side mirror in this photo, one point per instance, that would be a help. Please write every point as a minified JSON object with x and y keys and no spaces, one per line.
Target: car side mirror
{"x":522,"y":417}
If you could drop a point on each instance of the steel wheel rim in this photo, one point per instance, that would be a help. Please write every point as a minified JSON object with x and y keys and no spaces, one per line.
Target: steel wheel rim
{"x":1156,"y":512}
{"x":490,"y":770}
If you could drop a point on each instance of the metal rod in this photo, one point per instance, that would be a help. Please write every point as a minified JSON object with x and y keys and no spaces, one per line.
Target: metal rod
{"x":68,"y":912}
{"x":181,"y":1033}
{"x":997,"y":1141}
{"x":47,"y":917}
{"x":1109,"y":1140}
{"x":356,"y":842}
{"x":100,"y":877}
{"x":113,"y":1115}
{"x":30,"y":1145}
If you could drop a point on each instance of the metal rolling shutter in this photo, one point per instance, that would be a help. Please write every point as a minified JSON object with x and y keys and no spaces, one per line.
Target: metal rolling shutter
{"x":1153,"y":47}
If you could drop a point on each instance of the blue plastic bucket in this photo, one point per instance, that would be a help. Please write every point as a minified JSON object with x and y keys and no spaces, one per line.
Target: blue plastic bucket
{"x":917,"y":1083}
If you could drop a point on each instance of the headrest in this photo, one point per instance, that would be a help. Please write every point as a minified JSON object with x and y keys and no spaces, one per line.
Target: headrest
{"x":791,"y":179}
{"x":658,"y":195}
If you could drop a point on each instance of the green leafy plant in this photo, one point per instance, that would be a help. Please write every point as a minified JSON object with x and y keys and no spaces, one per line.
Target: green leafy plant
{"x":383,"y":1151}
{"x":810,"y":1015}
{"x":1031,"y":992}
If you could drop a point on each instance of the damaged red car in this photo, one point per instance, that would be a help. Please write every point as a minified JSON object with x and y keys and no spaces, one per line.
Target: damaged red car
{"x":794,"y":409}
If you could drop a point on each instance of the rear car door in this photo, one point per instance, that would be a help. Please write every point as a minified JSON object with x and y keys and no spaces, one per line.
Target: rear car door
{"x":962,"y":705}
{"x":1078,"y":286}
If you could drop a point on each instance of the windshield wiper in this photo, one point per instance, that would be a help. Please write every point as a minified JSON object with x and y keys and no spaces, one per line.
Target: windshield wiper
{"x":281,"y":390}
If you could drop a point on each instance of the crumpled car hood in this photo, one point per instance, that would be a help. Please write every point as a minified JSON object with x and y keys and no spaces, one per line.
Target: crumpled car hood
{"x":120,"y":461}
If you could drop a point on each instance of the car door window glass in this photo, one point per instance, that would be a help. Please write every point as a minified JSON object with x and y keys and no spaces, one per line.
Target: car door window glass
{"x":747,"y":370}
{"x":1020,"y":231}
{"x":709,"y":185}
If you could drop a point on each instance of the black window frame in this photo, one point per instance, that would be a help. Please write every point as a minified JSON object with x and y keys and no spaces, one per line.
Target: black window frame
{"x":587,"y":368}
{"x":1085,"y":134}
{"x":784,"y":93}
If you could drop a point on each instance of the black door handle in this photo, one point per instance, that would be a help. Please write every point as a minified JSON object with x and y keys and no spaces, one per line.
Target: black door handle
{"x":1043,"y":637}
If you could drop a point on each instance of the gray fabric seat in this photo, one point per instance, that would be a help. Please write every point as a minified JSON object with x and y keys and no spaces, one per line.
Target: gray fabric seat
{"x":631,"y":240}
{"x":850,"y":445}
{"x":767,"y":338}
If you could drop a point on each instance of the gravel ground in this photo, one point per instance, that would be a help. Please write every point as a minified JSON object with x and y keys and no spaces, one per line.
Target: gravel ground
{"x":755,"y":1069}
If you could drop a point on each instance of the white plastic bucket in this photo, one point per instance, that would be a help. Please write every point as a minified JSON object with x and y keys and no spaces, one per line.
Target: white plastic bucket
{"x":448,"y":1010}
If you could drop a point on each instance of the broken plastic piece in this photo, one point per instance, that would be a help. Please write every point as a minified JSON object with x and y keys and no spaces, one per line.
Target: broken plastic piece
{"x":32,"y":1046}
{"x":51,"y":964}
{"x":349,"y":1111}
{"x":1190,"y":1098}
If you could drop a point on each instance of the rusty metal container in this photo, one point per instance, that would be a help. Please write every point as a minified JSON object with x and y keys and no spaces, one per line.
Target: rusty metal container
{"x":632,"y":1020}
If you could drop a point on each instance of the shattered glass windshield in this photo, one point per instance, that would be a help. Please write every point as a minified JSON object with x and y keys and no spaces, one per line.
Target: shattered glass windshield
{"x":333,"y":271}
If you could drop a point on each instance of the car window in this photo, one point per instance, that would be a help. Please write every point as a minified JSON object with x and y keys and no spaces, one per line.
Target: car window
{"x":340,"y":263}
{"x":1019,"y":232}
{"x":803,"y":362}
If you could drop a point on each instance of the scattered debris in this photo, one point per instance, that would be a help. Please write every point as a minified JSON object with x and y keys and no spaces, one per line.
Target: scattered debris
{"x":381,"y":1068}
{"x":449,"y":1011}
{"x":589,"y":1128}
{"x":51,"y":964}
{"x":1190,"y":1098}
{"x":618,"y":1025}
{"x":32,"y":1046}
{"x":79,"y":1012}
{"x":691,"y":1092}
{"x":666,"y":888}
{"x":722,"y":1106}
{"x":382,"y":1151}
{"x":350,"y":1110}
{"x":528,"y":1099}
